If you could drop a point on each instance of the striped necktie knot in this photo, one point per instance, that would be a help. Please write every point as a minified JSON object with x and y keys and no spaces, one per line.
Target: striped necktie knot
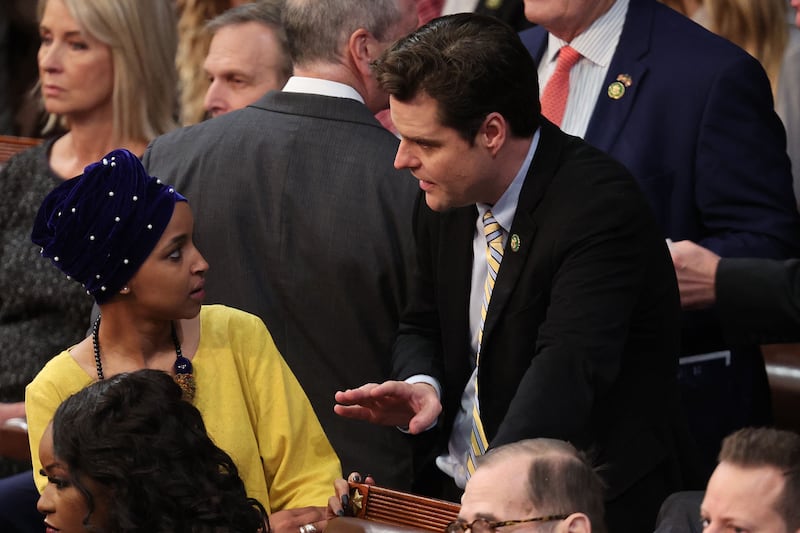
{"x":494,"y":255}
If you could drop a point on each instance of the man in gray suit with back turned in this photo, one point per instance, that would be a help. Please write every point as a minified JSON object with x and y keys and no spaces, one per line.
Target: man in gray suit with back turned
{"x":303,"y":218}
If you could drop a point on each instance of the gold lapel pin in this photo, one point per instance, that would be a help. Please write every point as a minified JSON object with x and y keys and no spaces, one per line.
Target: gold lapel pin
{"x":494,"y":4}
{"x":617,"y":88}
{"x":515,"y":243}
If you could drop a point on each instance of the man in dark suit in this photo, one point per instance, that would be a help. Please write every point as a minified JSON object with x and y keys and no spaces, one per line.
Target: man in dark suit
{"x":758,"y":300}
{"x":303,"y":219}
{"x":581,"y":329}
{"x":691,"y":116}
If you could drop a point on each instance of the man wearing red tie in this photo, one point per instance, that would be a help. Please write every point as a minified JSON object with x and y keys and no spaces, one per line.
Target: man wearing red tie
{"x":691,"y":116}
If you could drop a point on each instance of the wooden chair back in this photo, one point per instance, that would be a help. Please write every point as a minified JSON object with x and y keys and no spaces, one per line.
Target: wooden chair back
{"x":10,"y":145}
{"x":14,"y":442}
{"x":399,"y":508}
{"x":783,"y":371}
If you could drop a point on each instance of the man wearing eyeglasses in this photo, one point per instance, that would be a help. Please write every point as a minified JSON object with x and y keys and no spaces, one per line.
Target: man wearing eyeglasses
{"x":545,"y":483}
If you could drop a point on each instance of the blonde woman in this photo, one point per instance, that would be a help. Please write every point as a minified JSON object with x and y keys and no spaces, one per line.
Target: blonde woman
{"x":108,"y":80}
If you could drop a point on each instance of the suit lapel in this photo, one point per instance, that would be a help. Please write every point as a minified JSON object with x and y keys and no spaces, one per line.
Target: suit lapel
{"x":535,"y":40}
{"x":610,"y":114}
{"x":523,"y":229}
{"x":456,"y":231}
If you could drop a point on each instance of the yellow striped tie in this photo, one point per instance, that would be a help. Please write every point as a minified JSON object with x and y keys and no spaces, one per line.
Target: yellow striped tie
{"x":494,"y":255}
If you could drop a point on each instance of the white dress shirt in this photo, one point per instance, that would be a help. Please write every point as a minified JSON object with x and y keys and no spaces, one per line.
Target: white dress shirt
{"x":597,"y":46}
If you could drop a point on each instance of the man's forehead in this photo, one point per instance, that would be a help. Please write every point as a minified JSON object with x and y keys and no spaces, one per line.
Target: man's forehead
{"x":418,"y":114}
{"x":744,"y":490}
{"x":498,"y":490}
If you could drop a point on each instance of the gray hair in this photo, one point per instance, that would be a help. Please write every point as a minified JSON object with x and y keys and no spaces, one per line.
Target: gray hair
{"x":318,"y":31}
{"x":266,"y":12}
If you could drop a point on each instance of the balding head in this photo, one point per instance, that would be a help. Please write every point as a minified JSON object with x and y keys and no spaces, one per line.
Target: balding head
{"x":560,"y":483}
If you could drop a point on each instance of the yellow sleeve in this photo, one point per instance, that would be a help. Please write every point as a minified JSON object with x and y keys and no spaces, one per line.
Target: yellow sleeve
{"x":60,"y":378}
{"x":299,"y":462}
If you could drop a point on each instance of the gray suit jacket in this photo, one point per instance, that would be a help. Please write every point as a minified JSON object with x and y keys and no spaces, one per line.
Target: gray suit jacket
{"x":306,"y":224}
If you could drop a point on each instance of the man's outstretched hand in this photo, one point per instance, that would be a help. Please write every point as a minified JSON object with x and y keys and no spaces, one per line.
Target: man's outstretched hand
{"x":392,"y":403}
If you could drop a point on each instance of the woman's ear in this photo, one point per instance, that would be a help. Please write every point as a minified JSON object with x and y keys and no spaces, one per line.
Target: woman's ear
{"x":124,"y":290}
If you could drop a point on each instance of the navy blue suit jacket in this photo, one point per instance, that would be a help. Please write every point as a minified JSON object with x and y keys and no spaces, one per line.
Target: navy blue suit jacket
{"x":698,"y":131}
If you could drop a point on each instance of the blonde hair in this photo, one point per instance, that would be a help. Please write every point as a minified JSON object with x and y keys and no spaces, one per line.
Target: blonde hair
{"x":142,"y":35}
{"x":758,"y":26}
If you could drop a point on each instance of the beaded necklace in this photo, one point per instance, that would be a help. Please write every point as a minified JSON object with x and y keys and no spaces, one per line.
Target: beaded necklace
{"x":183,"y":367}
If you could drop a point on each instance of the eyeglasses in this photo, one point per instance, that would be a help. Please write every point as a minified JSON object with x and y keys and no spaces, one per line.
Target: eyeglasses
{"x":481,"y":525}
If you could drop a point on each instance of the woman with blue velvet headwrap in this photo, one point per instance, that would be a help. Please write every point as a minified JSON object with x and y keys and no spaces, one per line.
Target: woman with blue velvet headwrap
{"x":127,"y":239}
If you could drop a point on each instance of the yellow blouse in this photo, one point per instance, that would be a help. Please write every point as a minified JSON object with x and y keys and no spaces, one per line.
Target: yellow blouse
{"x":251,"y":403}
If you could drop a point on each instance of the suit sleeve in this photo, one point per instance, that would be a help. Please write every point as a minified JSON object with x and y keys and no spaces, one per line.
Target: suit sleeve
{"x":759,"y":300}
{"x":417,"y":348}
{"x":743,"y":174}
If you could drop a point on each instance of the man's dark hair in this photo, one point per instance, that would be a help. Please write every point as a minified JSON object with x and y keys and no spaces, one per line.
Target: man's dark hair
{"x":472,"y":65}
{"x":134,"y":435}
{"x":780,"y":449}
{"x":561,"y":479}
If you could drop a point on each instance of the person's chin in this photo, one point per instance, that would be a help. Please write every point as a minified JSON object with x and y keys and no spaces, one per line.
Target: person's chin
{"x":191,"y":310}
{"x":437,"y":202}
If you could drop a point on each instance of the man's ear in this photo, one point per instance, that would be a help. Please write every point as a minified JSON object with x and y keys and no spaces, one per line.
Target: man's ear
{"x":362,"y":46}
{"x":577,"y":523}
{"x":493,"y":132}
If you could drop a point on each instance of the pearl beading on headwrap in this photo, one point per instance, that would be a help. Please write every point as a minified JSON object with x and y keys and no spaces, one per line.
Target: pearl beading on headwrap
{"x":93,"y":233}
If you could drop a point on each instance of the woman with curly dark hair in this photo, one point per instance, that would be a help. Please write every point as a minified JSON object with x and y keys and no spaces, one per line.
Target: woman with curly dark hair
{"x":128,"y":454}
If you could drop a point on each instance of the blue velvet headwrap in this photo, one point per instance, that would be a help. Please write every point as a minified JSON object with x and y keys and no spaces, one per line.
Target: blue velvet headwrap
{"x":99,"y":227}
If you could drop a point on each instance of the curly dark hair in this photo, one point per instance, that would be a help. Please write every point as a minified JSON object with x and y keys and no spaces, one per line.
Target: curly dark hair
{"x":134,"y":434}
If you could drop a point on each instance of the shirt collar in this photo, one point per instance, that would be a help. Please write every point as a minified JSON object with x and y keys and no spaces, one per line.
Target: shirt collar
{"x":599,"y":41}
{"x":301,"y":84}
{"x":506,"y":207}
